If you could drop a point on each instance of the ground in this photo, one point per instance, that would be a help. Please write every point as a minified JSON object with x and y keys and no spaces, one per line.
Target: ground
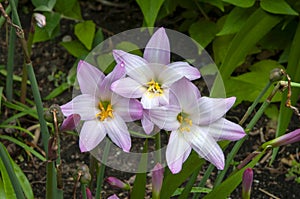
{"x":49,"y":57}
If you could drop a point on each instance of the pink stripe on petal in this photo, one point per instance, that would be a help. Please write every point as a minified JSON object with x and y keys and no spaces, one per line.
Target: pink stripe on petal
{"x":128,"y":87}
{"x":148,"y":126}
{"x":186,"y":70}
{"x":91,"y":134}
{"x":158,"y":48}
{"x":89,"y":78}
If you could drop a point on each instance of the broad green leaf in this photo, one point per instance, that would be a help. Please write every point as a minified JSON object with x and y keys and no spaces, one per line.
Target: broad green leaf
{"x":203,"y":32}
{"x":57,"y":91}
{"x":43,"y":5}
{"x":150,"y":9}
{"x":106,"y":62}
{"x":220,"y":47}
{"x":241,"y":3}
{"x":69,"y":9}
{"x":85,"y":32}
{"x":129,"y":47}
{"x":235,"y":20}
{"x":50,"y":30}
{"x":75,"y":48}
{"x":217,"y":3}
{"x":277,"y":7}
{"x":272,"y":112}
{"x":98,"y":38}
{"x":246,"y":87}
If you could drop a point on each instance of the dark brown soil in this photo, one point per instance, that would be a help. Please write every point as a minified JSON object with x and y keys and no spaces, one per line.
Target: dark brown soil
{"x":268,"y":180}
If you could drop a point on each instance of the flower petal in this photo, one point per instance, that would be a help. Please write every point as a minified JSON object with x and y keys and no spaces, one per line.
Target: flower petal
{"x":128,"y":87}
{"x":85,"y":105}
{"x":70,"y":123}
{"x":168,"y":76}
{"x":149,"y":101}
{"x":136,"y":67}
{"x":148,"y":126}
{"x":177,"y":151}
{"x":117,"y":73}
{"x":186,"y":94}
{"x":210,"y":110}
{"x":129,"y":109}
{"x":158,"y":48}
{"x":89,"y":78}
{"x":205,"y":146}
{"x":91,"y":134}
{"x":165,"y":117}
{"x":186,"y":70}
{"x":224,"y":129}
{"x":118,"y":132}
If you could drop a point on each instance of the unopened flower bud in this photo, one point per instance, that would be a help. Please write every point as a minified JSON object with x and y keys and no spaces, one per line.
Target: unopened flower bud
{"x":247,"y":183}
{"x":89,"y":193}
{"x":84,"y":173}
{"x":70,"y":123}
{"x":40,"y":20}
{"x":286,"y":139}
{"x":157,"y":179}
{"x":276,"y":74}
{"x":115,"y":182}
{"x":49,"y":114}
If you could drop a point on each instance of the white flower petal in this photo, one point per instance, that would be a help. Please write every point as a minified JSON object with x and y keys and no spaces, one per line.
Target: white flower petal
{"x":205,"y":145}
{"x":128,"y":87}
{"x":91,"y":134}
{"x":168,"y":76}
{"x":148,"y":126}
{"x":164,"y":99}
{"x":149,"y":101}
{"x":89,"y":78}
{"x":85,"y":105}
{"x":209,"y":110}
{"x":158,"y":48}
{"x":177,"y":151}
{"x":185,"y":70}
{"x":118,"y":132}
{"x":165,"y":117}
{"x":128,"y":109}
{"x":224,"y":129}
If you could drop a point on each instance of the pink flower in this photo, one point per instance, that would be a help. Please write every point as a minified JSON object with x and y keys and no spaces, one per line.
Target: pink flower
{"x":285,"y":139}
{"x":70,"y":123}
{"x":104,"y":112}
{"x":113,"y":181}
{"x":197,"y":124}
{"x":157,"y":180}
{"x":247,"y":183}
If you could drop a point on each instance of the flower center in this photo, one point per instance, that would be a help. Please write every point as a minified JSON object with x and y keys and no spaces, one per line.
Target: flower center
{"x":185,"y":122}
{"x":105,"y":111}
{"x":154,"y":88}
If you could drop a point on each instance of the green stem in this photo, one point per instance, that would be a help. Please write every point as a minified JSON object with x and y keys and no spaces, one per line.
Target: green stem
{"x":204,"y":179}
{"x":2,"y":19}
{"x":83,"y":191}
{"x":188,"y":187}
{"x":10,"y":64}
{"x":101,"y":170}
{"x":51,"y":182}
{"x":158,"y":147}
{"x":293,"y":84}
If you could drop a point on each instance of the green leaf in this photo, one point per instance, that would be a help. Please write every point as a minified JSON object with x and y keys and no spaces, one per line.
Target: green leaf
{"x":51,"y":29}
{"x":75,"y":48}
{"x":241,"y":3}
{"x":129,"y":47}
{"x":272,"y":112}
{"x":98,"y":38}
{"x":85,"y":32}
{"x":57,"y":91}
{"x":150,"y":9}
{"x":172,"y":181}
{"x":277,"y":7}
{"x":246,"y":87}
{"x":43,"y":5}
{"x":235,"y":20}
{"x":220,"y":47}
{"x":203,"y":32}
{"x":194,"y":190}
{"x":217,"y":3}
{"x":69,"y":9}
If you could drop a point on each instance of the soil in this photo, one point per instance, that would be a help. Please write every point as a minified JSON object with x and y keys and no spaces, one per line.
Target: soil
{"x":49,"y":57}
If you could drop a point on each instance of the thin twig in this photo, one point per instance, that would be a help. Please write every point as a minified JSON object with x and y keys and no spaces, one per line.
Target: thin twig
{"x":268,"y":193}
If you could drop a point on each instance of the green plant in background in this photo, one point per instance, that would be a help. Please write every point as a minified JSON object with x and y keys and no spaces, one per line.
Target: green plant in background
{"x":294,"y":171}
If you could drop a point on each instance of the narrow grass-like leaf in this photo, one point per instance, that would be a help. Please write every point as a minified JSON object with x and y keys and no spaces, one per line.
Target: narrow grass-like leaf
{"x":57,"y":91}
{"x":24,"y":146}
{"x":8,"y":189}
{"x":17,"y":128}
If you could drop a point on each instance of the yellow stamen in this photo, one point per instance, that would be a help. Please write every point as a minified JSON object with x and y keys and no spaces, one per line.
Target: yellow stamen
{"x":104,"y":113}
{"x":185,"y":122}
{"x":154,"y":89}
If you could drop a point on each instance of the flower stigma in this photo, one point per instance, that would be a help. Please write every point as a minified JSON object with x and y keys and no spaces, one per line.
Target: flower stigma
{"x":185,"y":122}
{"x":154,"y":89}
{"x":105,"y":111}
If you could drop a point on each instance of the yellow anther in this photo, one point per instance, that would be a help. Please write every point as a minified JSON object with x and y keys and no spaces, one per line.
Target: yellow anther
{"x":154,"y":88}
{"x":104,"y":113}
{"x":185,"y":122}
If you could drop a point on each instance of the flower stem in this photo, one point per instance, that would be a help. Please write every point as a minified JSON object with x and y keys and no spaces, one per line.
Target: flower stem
{"x":101,"y":169}
{"x":188,"y":187}
{"x":204,"y":179}
{"x":83,"y":191}
{"x":157,"y":148}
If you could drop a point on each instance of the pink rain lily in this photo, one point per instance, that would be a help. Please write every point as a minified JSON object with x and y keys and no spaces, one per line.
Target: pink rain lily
{"x":247,"y":183}
{"x":198,"y":125}
{"x":150,"y":77}
{"x":103,"y":111}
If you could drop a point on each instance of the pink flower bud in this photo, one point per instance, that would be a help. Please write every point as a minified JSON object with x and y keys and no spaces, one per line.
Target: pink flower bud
{"x":247,"y":183}
{"x":286,"y":139}
{"x":115,"y":182}
{"x":70,"y":123}
{"x":157,"y":179}
{"x":89,"y":193}
{"x":113,"y":197}
{"x":40,"y":19}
